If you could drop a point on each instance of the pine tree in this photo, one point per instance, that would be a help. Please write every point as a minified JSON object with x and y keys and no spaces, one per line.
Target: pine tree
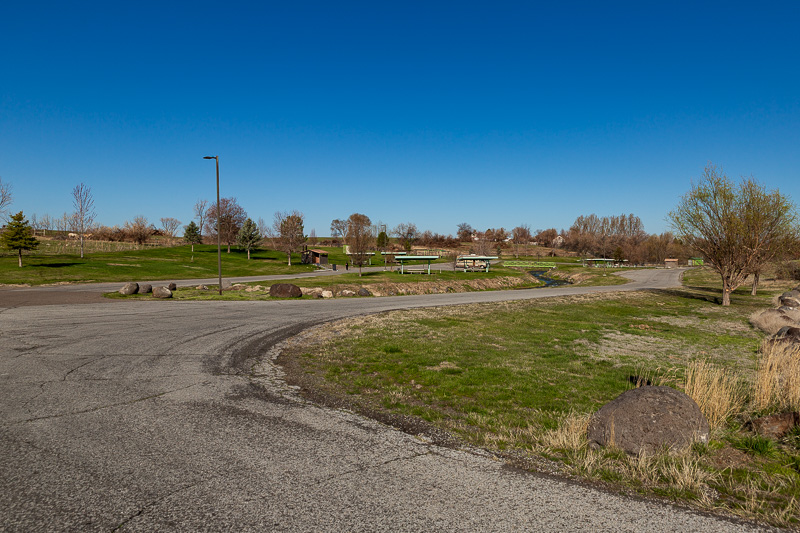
{"x":18,"y":235}
{"x":191,"y":234}
{"x":249,"y":236}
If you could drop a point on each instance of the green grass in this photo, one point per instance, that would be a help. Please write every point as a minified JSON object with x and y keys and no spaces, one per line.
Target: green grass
{"x":159,"y":263}
{"x":506,"y":375}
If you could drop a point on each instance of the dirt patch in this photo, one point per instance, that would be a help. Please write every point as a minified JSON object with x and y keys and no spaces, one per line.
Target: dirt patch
{"x":432,"y":287}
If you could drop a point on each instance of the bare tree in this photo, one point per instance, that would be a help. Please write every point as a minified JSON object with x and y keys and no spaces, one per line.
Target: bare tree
{"x":730,"y":225}
{"x":407,"y":233}
{"x":200,"y":210}
{"x":46,"y":223}
{"x":5,"y":198}
{"x":770,"y":226}
{"x":232,"y":216}
{"x":360,"y":238}
{"x":83,"y":217}
{"x":263,"y":229}
{"x":139,"y":229}
{"x":287,"y":233}
{"x":520,"y":236}
{"x":170,"y":226}
{"x":464,"y":232}
{"x":338,"y":228}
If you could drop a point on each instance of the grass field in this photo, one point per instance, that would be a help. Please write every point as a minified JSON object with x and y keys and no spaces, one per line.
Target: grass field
{"x":523,"y":378}
{"x":154,"y":263}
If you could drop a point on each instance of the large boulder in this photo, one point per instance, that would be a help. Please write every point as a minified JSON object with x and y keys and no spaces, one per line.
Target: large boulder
{"x":347,"y":293}
{"x":145,"y":288}
{"x":161,"y":292}
{"x":327,"y":294}
{"x":649,"y":419}
{"x":787,"y":334}
{"x":285,"y":290}
{"x":315,"y":292}
{"x":129,"y":288}
{"x":172,"y":286}
{"x":363,"y":291}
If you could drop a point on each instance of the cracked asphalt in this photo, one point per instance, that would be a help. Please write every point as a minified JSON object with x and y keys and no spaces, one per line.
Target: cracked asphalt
{"x":169,"y":416}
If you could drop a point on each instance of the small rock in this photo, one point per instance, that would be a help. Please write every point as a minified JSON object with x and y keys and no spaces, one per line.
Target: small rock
{"x":316,"y":292}
{"x":285,"y":290}
{"x":201,"y":288}
{"x":648,"y":419}
{"x":162,"y":292}
{"x":145,"y":288}
{"x":347,"y":292}
{"x":129,"y":288}
{"x":364,"y":292}
{"x":775,"y":426}
{"x":172,"y":286}
{"x":327,"y":294}
{"x":237,"y":287}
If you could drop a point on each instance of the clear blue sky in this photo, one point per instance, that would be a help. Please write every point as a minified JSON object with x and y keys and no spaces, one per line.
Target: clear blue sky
{"x":491,"y":113}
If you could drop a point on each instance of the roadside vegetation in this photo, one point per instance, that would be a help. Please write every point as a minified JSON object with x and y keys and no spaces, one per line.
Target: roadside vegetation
{"x":523,"y":378}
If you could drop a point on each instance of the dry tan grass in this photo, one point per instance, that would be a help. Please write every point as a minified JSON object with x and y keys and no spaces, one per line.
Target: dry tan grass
{"x":777,"y":382}
{"x":771,"y":320}
{"x":570,"y":433}
{"x":716,"y":390}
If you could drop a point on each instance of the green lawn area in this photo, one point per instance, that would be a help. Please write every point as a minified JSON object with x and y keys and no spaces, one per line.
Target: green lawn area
{"x":158,"y":263}
{"x":509,"y":376}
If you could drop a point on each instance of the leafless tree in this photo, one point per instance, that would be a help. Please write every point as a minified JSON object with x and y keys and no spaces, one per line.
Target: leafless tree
{"x":464,"y":232}
{"x":520,"y":237}
{"x":338,"y":228}
{"x":263,"y":228}
{"x":46,"y":223}
{"x":139,"y":229}
{"x":360,"y":238}
{"x":734,"y":228}
{"x":407,"y":233}
{"x":5,"y":198}
{"x":83,"y":216}
{"x":200,"y":210}
{"x":170,"y":226}
{"x":287,"y":233}
{"x":231,"y":219}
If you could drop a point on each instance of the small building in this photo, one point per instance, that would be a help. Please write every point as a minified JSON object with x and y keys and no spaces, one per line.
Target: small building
{"x":695,"y":262}
{"x":671,"y":263}
{"x":315,"y":257}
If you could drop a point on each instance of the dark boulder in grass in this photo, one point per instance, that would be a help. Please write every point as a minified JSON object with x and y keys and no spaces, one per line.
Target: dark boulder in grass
{"x":787,"y":334}
{"x":649,"y":419}
{"x":285,"y":290}
{"x":364,"y":292}
{"x":161,"y":292}
{"x":775,"y":426}
{"x":129,"y":288}
{"x":172,"y":286}
{"x":145,"y":288}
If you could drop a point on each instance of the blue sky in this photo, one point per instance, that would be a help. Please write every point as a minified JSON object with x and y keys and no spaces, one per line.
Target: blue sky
{"x":495,"y":114}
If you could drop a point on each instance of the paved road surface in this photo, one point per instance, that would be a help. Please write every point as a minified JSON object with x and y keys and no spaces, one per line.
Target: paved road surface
{"x":143,"y":416}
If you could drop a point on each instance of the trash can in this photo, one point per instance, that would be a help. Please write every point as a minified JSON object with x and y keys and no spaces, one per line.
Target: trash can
{"x":334,"y":266}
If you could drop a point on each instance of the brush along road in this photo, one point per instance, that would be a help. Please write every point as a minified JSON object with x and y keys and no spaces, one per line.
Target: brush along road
{"x":143,"y":416}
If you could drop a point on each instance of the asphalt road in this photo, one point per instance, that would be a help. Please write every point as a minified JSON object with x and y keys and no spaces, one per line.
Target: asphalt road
{"x":152,"y":415}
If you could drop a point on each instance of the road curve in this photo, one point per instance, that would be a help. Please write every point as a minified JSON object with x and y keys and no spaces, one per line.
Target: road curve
{"x":145,"y":415}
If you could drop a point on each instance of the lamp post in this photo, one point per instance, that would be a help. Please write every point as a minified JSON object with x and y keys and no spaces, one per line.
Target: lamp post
{"x":219,"y":238}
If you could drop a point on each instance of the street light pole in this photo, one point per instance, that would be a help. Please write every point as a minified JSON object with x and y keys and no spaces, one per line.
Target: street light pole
{"x":219,"y":237}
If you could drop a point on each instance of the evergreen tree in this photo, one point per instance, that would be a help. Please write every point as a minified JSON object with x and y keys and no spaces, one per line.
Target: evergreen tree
{"x":249,"y":236}
{"x":18,"y":235}
{"x":191,"y":234}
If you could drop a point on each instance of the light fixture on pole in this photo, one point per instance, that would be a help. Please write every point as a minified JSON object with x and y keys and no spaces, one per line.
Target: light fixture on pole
{"x":219,"y":238}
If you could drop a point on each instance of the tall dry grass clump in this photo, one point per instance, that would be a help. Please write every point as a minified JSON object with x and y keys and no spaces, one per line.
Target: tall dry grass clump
{"x":771,"y":320}
{"x":716,"y":390}
{"x":570,"y":433}
{"x":777,"y":382}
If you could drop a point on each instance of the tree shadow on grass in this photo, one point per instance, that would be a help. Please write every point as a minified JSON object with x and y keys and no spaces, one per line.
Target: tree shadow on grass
{"x":693,"y":293}
{"x":59,"y":265}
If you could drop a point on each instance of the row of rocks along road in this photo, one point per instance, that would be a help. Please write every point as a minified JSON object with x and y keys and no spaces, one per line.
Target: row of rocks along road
{"x":144,"y":415}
